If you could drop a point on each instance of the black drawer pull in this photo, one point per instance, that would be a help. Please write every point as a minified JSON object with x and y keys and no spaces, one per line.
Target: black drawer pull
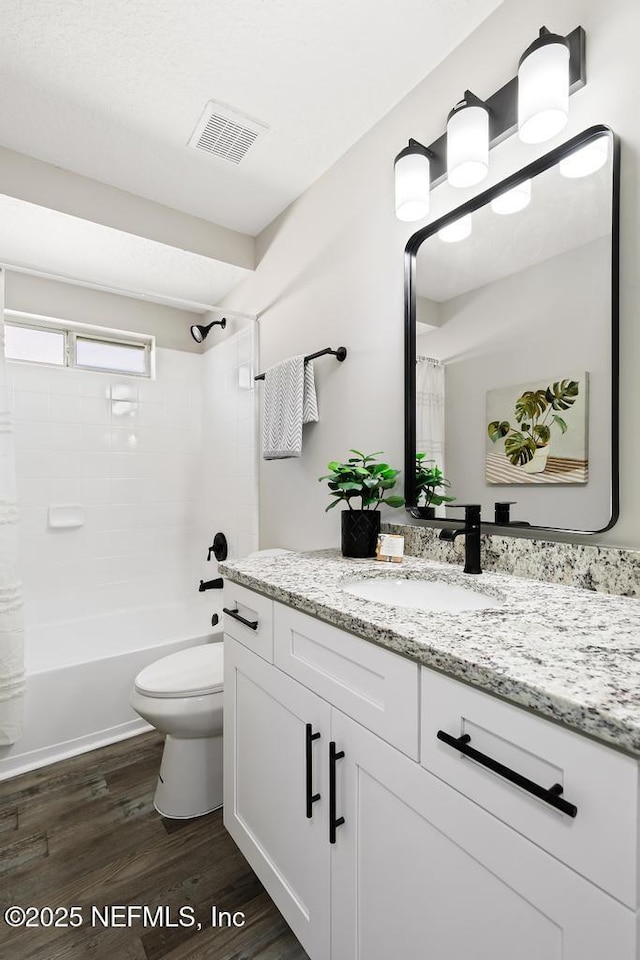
{"x":552,"y":795}
{"x":252,"y":624}
{"x":311,"y":796}
{"x":334,"y":822}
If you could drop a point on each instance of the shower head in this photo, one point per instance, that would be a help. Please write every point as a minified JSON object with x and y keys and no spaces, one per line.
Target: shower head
{"x":199,"y":333}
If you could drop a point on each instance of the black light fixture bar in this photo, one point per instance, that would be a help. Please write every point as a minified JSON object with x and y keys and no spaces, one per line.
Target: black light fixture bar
{"x":503,"y":107}
{"x":339,"y":354}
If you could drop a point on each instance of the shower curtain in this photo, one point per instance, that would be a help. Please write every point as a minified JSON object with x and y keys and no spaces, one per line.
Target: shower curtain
{"x":430,"y":412}
{"x":12,"y":679}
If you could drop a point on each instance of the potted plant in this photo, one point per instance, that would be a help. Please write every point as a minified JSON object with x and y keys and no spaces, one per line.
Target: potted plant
{"x":361,"y":479}
{"x":528,"y":445}
{"x":429,"y":480}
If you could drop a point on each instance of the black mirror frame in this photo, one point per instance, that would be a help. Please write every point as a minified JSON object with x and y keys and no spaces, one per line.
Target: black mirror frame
{"x":413,"y":245}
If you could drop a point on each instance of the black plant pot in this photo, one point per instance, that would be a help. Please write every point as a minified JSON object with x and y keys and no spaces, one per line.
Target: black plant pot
{"x":424,"y":513}
{"x":360,"y":530}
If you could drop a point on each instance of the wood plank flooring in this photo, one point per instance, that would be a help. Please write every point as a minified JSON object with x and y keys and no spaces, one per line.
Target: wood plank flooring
{"x":84,"y":832}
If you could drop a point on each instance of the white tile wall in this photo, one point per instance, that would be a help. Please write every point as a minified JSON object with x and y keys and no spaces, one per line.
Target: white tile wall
{"x":159,"y":467}
{"x":136,"y":474}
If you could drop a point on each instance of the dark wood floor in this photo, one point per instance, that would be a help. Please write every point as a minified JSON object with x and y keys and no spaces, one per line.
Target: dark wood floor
{"x":84,"y":832}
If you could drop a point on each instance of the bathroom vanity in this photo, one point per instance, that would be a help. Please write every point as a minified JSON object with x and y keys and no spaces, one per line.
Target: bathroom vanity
{"x":346,"y":783}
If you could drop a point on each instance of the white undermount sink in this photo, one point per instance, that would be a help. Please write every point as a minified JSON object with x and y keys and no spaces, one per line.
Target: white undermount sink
{"x":435,"y":595}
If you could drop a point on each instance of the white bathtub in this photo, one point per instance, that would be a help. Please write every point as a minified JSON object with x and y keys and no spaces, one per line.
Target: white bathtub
{"x":80,"y":674}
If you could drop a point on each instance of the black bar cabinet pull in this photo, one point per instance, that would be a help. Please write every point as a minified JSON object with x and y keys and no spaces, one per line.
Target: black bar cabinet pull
{"x":252,"y":624}
{"x":551,"y":795}
{"x":334,"y":822}
{"x":311,"y":796}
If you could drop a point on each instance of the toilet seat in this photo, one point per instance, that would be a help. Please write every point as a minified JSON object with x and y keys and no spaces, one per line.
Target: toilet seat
{"x":193,"y":672}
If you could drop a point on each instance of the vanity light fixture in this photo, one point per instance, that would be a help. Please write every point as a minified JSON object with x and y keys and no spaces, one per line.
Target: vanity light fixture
{"x":514,"y":200}
{"x":543,"y":88}
{"x":460,"y":229}
{"x":412,"y":182}
{"x":535,"y":102}
{"x":468,"y":142}
{"x":200,"y":333}
{"x":585,"y":160}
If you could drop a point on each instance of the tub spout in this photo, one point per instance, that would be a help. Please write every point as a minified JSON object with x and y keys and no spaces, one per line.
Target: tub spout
{"x":211,"y":585}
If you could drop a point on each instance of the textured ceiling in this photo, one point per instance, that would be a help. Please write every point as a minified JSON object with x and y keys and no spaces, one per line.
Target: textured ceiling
{"x":114,"y":90}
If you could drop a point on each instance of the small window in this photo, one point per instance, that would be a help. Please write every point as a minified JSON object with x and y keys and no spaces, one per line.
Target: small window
{"x":37,"y":339}
{"x":35,"y":344}
{"x":93,"y":354}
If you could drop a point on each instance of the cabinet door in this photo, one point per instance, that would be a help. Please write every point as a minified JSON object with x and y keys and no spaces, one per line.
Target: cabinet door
{"x":420,"y":871}
{"x":265,"y":789}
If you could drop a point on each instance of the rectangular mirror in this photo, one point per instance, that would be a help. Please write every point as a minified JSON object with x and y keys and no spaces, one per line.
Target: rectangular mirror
{"x":511,"y":353}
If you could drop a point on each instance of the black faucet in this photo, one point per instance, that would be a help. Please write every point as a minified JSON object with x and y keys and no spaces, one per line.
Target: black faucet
{"x":471,"y":534}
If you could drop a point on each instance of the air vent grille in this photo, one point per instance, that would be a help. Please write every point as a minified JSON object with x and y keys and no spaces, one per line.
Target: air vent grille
{"x":226,"y":133}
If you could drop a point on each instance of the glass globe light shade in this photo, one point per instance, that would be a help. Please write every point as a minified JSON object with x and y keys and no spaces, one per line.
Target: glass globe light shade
{"x":412,"y":183}
{"x":458,"y":230}
{"x":467,"y":143}
{"x":543,"y":88}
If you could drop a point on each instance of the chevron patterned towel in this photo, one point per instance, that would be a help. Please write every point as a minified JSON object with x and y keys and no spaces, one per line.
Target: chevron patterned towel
{"x":289,"y":401}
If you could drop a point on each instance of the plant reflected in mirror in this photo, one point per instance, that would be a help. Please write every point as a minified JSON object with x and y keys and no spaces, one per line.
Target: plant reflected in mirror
{"x":430,"y":480}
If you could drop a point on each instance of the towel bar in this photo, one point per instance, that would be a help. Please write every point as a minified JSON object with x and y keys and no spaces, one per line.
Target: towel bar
{"x":339,"y":354}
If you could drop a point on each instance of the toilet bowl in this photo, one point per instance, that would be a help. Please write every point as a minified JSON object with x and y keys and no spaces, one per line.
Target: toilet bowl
{"x":181,"y":696}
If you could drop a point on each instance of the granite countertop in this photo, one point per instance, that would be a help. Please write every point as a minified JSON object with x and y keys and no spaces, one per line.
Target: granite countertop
{"x":568,"y":654}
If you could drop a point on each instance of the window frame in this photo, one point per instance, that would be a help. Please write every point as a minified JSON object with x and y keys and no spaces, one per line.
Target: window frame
{"x":71,"y":330}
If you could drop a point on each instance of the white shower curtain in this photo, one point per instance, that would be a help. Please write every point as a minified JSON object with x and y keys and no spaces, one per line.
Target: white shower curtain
{"x":430,"y":410}
{"x":12,"y":680}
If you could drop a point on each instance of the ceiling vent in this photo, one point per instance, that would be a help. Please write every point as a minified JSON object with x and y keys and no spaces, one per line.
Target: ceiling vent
{"x":226,"y":133}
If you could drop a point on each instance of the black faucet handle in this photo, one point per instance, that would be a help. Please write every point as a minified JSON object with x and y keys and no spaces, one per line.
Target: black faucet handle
{"x":503,"y":511}
{"x":219,"y":548}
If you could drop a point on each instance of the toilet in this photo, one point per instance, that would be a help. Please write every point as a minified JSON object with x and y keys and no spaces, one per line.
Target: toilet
{"x":181,"y":696}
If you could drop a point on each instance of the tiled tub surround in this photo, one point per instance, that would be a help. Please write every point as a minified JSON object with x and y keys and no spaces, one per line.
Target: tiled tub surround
{"x":568,"y":654}
{"x":603,"y":569}
{"x":129,"y":463}
{"x":156,"y":474}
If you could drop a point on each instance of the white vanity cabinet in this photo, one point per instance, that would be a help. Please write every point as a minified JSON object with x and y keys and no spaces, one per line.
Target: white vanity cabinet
{"x":419,"y":871}
{"x":417,"y":868}
{"x":266,"y":764}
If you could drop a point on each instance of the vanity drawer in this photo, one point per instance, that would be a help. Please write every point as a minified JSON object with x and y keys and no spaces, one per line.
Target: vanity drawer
{"x":600,"y":842}
{"x":376,"y":687}
{"x":246,"y":605}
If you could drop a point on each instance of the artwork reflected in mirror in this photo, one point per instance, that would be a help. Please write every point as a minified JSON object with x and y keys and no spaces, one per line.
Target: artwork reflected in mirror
{"x":538,"y":433}
{"x":513,"y":333}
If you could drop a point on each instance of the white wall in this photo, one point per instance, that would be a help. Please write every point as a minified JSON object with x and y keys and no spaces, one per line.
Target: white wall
{"x":550,"y":320}
{"x":170,"y":327}
{"x":330,"y":267}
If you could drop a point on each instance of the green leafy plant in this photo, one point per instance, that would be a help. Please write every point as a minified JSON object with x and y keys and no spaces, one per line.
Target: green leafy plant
{"x":536,"y":413}
{"x":362,"y":477}
{"x":430,"y":479}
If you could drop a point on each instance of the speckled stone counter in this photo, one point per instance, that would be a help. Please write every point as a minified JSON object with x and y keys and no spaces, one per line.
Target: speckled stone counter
{"x":604,"y":569}
{"x":568,"y":654}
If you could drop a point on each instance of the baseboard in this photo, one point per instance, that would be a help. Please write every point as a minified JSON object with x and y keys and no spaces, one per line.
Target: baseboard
{"x":23,"y":763}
